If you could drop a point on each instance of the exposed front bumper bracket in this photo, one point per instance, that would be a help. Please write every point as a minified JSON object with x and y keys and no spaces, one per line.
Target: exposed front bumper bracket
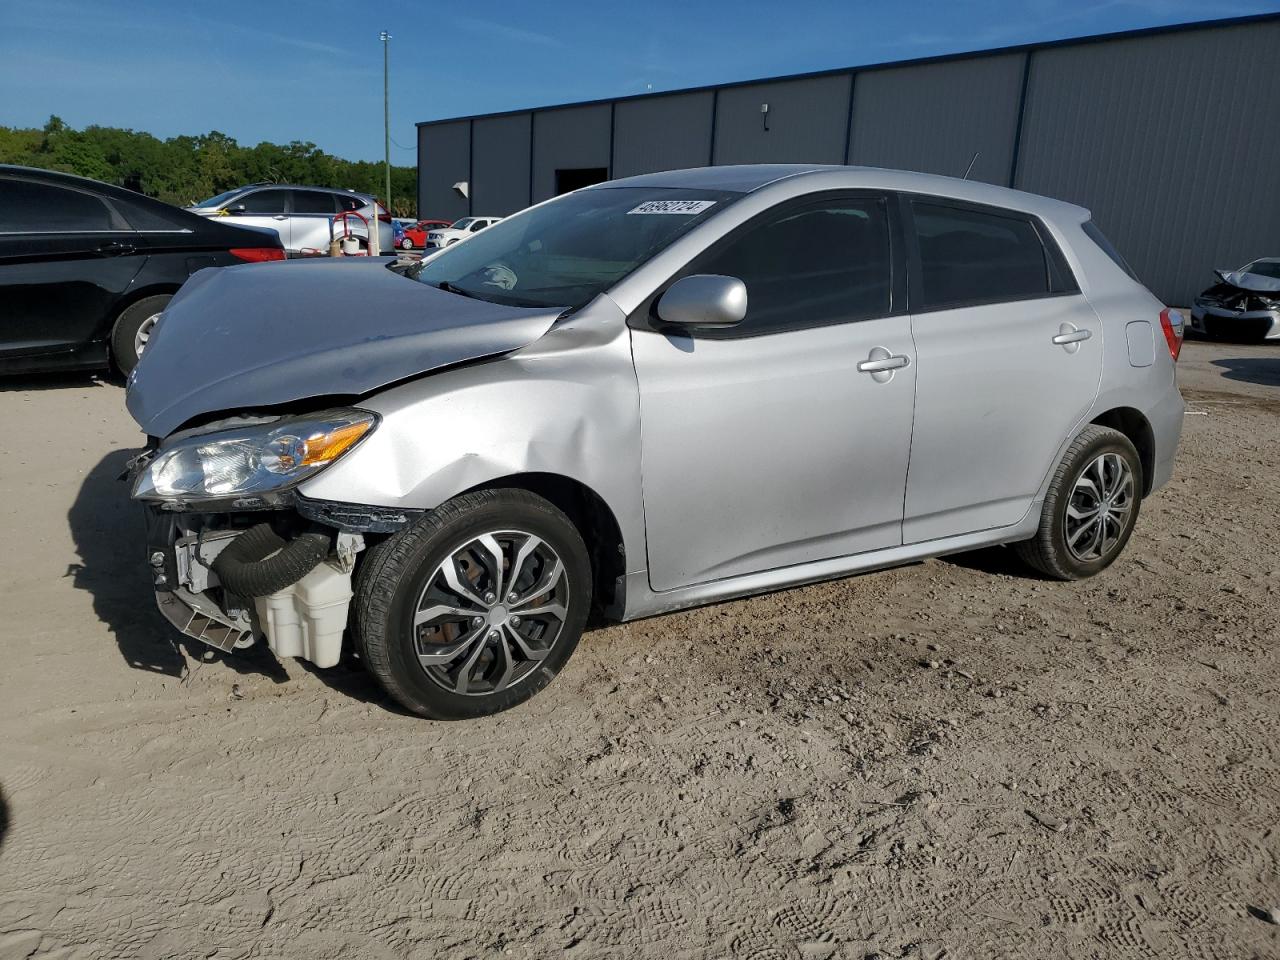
{"x":201,"y":619}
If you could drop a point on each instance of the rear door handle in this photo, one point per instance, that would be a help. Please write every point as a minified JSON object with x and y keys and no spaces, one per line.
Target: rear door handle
{"x":879,"y":364}
{"x":114,"y":248}
{"x":1072,"y":336}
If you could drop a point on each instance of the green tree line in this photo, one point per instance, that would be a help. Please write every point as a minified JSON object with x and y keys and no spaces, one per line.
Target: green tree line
{"x":184,"y":170}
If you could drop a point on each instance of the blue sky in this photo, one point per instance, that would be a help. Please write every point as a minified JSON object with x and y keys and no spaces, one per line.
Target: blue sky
{"x":275,"y":70}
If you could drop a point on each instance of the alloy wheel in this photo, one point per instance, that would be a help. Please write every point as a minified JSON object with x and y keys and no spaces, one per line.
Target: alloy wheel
{"x":1099,"y":508}
{"x":491,"y":612}
{"x":143,"y":336}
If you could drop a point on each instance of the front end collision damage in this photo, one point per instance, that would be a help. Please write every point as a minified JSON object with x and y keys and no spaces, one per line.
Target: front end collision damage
{"x":1241,"y":304}
{"x":549,"y":413}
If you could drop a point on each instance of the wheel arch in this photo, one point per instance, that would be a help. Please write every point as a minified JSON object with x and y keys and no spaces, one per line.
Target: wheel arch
{"x":1134,"y":425}
{"x":595,"y":520}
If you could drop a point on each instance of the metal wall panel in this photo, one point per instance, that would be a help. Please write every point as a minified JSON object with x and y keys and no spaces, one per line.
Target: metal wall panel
{"x":444,"y":158}
{"x":662,"y":133}
{"x":807,"y":119}
{"x":500,"y":165}
{"x":935,"y":117}
{"x":1171,"y":140}
{"x":574,"y":137}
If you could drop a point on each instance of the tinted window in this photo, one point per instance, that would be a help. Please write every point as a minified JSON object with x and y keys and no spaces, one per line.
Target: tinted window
{"x":818,"y":264}
{"x":29,"y":207}
{"x":1097,"y":236}
{"x":479,"y":225}
{"x":349,"y":202}
{"x":263,"y":201}
{"x":153,"y":216}
{"x":968,"y":256}
{"x":312,"y":201}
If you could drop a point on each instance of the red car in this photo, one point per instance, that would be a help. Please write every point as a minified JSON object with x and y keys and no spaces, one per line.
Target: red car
{"x":417,"y":234}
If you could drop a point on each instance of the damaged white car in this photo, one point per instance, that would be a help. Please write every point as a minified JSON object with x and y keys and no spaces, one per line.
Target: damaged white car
{"x":645,"y":395}
{"x":1245,"y":303}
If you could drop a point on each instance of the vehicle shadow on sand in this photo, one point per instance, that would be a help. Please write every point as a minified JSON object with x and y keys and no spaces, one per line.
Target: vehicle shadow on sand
{"x":1264,"y":371}
{"x":4,"y":817}
{"x":106,"y":528}
{"x":108,"y":534}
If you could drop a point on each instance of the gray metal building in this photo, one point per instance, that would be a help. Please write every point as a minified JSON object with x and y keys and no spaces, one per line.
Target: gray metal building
{"x":1170,"y":136}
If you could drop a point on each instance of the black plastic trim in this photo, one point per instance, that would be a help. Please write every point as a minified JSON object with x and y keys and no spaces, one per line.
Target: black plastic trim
{"x":356,"y":517}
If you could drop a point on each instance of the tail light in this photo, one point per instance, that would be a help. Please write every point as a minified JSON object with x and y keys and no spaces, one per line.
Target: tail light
{"x":256,"y":254}
{"x":1173,"y":326}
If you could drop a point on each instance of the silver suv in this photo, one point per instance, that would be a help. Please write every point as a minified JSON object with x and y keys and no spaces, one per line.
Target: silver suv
{"x":645,"y":395}
{"x":301,"y":215}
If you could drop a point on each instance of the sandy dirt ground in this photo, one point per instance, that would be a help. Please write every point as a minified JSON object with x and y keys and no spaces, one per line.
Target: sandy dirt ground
{"x":952,"y":759}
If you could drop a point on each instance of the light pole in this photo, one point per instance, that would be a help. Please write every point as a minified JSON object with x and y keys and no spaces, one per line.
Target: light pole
{"x":386,"y":111}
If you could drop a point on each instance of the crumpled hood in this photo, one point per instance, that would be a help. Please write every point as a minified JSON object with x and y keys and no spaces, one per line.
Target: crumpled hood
{"x":261,"y":334}
{"x":1254,"y":282}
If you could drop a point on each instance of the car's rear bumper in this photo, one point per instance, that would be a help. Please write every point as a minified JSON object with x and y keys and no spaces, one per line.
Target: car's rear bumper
{"x":1222,"y":321}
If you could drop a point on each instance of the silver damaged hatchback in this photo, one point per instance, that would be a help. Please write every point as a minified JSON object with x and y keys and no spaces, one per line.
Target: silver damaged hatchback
{"x":645,"y":395}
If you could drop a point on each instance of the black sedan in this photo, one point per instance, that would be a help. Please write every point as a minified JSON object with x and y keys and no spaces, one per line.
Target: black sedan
{"x":86,"y":268}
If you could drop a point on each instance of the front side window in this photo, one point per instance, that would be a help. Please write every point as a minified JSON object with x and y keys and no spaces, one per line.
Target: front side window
{"x":30,"y":207}
{"x":565,"y":252}
{"x":312,"y":201}
{"x":818,"y":264}
{"x":479,"y":225}
{"x":971,"y":256}
{"x":264,"y":201}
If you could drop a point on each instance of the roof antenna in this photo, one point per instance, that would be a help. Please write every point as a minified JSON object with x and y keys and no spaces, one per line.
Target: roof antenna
{"x":969,"y":169}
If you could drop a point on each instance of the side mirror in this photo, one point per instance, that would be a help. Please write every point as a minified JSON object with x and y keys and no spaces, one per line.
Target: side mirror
{"x":704,"y":300}
{"x":235,"y":208}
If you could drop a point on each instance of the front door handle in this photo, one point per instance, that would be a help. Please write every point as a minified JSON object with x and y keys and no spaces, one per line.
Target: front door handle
{"x":880,"y":364}
{"x":279,"y":216}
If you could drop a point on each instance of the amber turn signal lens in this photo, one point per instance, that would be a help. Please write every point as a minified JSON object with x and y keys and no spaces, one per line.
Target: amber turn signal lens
{"x":324,"y":447}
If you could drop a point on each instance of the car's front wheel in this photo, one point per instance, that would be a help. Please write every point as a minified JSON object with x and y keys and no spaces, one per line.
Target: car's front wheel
{"x":476,"y":607}
{"x":1090,"y":509}
{"x":406,"y":244}
{"x":132,"y":330}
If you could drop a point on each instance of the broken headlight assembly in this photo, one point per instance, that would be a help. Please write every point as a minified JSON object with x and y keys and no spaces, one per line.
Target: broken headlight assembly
{"x":248,"y":465}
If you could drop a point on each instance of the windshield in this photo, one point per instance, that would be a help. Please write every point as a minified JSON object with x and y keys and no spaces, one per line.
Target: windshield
{"x":463,"y":223}
{"x":220,"y":199}
{"x":1264,"y":268}
{"x":566,"y":252}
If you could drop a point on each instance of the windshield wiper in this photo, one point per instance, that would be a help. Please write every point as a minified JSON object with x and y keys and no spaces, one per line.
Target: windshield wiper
{"x":448,"y":287}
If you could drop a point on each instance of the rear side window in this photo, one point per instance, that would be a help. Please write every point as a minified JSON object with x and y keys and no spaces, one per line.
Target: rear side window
{"x":263,"y":201}
{"x":1097,"y":236}
{"x":313,"y":201}
{"x":349,"y":202}
{"x":810,"y":266}
{"x":30,"y":207}
{"x":972,"y":256}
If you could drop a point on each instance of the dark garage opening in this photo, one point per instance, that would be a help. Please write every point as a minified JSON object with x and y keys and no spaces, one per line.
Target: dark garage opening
{"x":579,"y":177}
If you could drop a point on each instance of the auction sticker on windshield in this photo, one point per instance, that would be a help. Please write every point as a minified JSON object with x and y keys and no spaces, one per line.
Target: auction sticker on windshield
{"x":687,"y":207}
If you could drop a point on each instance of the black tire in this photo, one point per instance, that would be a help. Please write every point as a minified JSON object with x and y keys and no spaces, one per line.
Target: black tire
{"x":124,"y":333}
{"x":1047,"y":551}
{"x":394,"y":573}
{"x":406,"y":244}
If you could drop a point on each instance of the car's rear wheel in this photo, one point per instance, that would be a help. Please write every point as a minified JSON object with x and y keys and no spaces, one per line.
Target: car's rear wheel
{"x":476,"y":607}
{"x":1090,"y":509}
{"x":132,"y":330}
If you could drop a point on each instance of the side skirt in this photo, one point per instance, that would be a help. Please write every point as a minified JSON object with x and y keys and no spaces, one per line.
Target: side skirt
{"x":641,"y":601}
